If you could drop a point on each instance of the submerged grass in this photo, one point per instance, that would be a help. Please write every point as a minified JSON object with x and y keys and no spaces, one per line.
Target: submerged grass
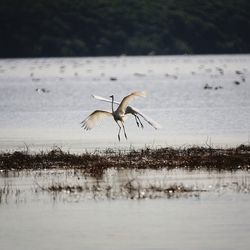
{"x":130,"y":190}
{"x":96,"y":163}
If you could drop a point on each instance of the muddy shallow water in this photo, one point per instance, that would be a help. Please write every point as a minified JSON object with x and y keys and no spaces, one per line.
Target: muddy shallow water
{"x":174,"y":209}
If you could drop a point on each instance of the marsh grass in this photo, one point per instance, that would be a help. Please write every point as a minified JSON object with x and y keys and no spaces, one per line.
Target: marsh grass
{"x":96,"y":163}
{"x":7,"y":192}
{"x":132,"y":189}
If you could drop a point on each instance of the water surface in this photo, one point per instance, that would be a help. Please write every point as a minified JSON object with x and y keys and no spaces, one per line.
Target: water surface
{"x":197,"y":100}
{"x":189,"y":113}
{"x":216,"y":219}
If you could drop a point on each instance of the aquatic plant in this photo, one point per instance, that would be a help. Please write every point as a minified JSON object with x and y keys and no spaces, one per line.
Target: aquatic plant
{"x":131,"y":189}
{"x":96,"y":163}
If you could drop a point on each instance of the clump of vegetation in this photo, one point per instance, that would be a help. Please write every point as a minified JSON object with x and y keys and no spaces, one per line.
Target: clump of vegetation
{"x":97,"y":162}
{"x":131,"y":189}
{"x":66,"y":188}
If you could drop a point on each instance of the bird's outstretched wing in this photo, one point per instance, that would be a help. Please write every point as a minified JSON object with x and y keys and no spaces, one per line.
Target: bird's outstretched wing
{"x":125,"y":101}
{"x":93,"y":118}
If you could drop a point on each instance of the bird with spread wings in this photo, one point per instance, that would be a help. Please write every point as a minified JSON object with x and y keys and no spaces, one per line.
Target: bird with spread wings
{"x":135,"y":112}
{"x":119,"y":114}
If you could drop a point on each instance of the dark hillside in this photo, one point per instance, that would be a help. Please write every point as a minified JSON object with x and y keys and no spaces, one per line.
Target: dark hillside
{"x":44,"y":28}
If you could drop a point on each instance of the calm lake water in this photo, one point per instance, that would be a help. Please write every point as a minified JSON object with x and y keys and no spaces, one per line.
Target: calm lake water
{"x":216,"y":218}
{"x":43,"y":101}
{"x":198,"y":100}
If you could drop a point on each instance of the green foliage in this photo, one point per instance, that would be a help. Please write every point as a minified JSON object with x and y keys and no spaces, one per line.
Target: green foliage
{"x":35,"y":28}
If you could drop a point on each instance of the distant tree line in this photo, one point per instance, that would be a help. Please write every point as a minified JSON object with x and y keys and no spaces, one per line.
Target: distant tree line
{"x":46,"y":28}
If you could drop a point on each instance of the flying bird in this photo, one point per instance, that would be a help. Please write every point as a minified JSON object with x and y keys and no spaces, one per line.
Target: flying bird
{"x":133,"y":111}
{"x":119,"y":114}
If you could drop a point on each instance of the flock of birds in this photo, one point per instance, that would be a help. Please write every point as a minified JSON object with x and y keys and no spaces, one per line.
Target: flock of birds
{"x":119,"y":114}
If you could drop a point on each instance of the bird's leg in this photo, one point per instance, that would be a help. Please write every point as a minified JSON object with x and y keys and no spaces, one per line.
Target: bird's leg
{"x":136,"y":117}
{"x":140,"y":122}
{"x":119,"y":131}
{"x":124,"y":131}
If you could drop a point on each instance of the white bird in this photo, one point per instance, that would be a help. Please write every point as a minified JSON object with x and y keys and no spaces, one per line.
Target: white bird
{"x":135,"y":112}
{"x":119,"y":114}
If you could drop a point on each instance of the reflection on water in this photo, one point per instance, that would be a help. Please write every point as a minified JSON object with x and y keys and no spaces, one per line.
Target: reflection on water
{"x":213,"y":214}
{"x":74,"y":185}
